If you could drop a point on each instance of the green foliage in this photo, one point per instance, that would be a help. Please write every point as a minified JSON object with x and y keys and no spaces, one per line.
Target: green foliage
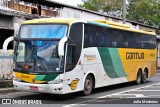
{"x":109,"y":7}
{"x":90,"y":5}
{"x":142,"y":11}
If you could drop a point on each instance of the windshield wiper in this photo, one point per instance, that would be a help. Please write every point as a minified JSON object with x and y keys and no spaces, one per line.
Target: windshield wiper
{"x":41,"y":63}
{"x":30,"y":55}
{"x":33,"y":55}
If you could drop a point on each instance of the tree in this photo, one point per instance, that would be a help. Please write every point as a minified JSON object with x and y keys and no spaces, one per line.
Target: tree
{"x":109,"y":7}
{"x":144,"y":11}
{"x":90,"y":5}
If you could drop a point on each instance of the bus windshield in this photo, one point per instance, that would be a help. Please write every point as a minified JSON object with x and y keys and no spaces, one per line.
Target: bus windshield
{"x":40,"y":54}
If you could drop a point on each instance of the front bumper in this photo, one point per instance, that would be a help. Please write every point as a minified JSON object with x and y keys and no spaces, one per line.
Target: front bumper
{"x":43,"y":88}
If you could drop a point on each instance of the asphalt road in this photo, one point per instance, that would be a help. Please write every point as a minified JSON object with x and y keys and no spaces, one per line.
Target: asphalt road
{"x":126,"y":94}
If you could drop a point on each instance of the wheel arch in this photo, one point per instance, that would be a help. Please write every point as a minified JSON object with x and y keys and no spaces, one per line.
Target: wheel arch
{"x":138,"y":68}
{"x":93,"y":77}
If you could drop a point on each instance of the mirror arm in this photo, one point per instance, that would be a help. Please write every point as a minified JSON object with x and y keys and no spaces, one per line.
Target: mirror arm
{"x":5,"y":44}
{"x":61,"y":45}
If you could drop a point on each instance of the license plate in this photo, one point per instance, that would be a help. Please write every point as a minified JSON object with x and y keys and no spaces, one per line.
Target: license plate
{"x":34,"y":88}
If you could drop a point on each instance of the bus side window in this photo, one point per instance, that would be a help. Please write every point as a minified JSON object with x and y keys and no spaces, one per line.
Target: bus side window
{"x":125,"y":44}
{"x":88,"y":39}
{"x":126,"y":39}
{"x":74,"y":45}
{"x":152,"y":42}
{"x":137,"y":40}
{"x":113,"y":42}
{"x":101,"y":38}
{"x":70,"y":59}
{"x":148,"y":41}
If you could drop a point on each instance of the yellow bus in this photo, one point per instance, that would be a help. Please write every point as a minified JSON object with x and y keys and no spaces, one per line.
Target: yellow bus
{"x":62,"y":56}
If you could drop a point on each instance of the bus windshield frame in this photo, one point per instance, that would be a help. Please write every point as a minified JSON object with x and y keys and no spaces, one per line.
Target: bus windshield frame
{"x":33,"y":50}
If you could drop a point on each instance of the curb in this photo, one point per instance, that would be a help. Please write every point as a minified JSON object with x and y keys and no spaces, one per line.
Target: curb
{"x":6,"y":90}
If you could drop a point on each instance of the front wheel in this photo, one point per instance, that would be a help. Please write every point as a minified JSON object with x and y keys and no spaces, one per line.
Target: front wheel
{"x":88,"y":85}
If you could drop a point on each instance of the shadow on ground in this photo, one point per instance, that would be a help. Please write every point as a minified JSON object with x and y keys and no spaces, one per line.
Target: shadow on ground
{"x":73,"y":97}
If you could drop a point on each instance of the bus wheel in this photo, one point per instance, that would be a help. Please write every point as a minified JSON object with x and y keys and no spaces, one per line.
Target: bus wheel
{"x":88,"y":85}
{"x":139,"y":77}
{"x":144,"y":76}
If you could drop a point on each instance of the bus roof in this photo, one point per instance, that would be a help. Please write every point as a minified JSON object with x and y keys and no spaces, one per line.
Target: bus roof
{"x":50,"y":20}
{"x":98,"y":22}
{"x":123,"y":27}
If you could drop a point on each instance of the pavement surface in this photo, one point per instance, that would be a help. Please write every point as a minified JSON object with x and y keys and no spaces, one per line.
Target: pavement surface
{"x":4,"y":91}
{"x":126,"y":94}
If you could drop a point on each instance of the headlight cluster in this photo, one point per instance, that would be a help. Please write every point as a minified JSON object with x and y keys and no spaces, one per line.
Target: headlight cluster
{"x":55,"y":81}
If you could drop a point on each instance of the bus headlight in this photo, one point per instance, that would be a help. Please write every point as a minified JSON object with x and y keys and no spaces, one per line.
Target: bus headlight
{"x":55,"y":81}
{"x":17,"y":79}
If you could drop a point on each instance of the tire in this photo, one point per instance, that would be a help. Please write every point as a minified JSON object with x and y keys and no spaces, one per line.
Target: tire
{"x":88,"y":85}
{"x":144,"y":76}
{"x":139,"y":77}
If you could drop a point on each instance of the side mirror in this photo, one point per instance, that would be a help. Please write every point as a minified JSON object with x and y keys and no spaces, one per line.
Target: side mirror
{"x":61,"y":46}
{"x":6,"y":42}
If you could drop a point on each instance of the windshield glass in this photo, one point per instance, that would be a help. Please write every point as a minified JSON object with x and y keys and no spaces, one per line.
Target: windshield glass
{"x":38,"y":56}
{"x":43,"y":31}
{"x":37,"y":48}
